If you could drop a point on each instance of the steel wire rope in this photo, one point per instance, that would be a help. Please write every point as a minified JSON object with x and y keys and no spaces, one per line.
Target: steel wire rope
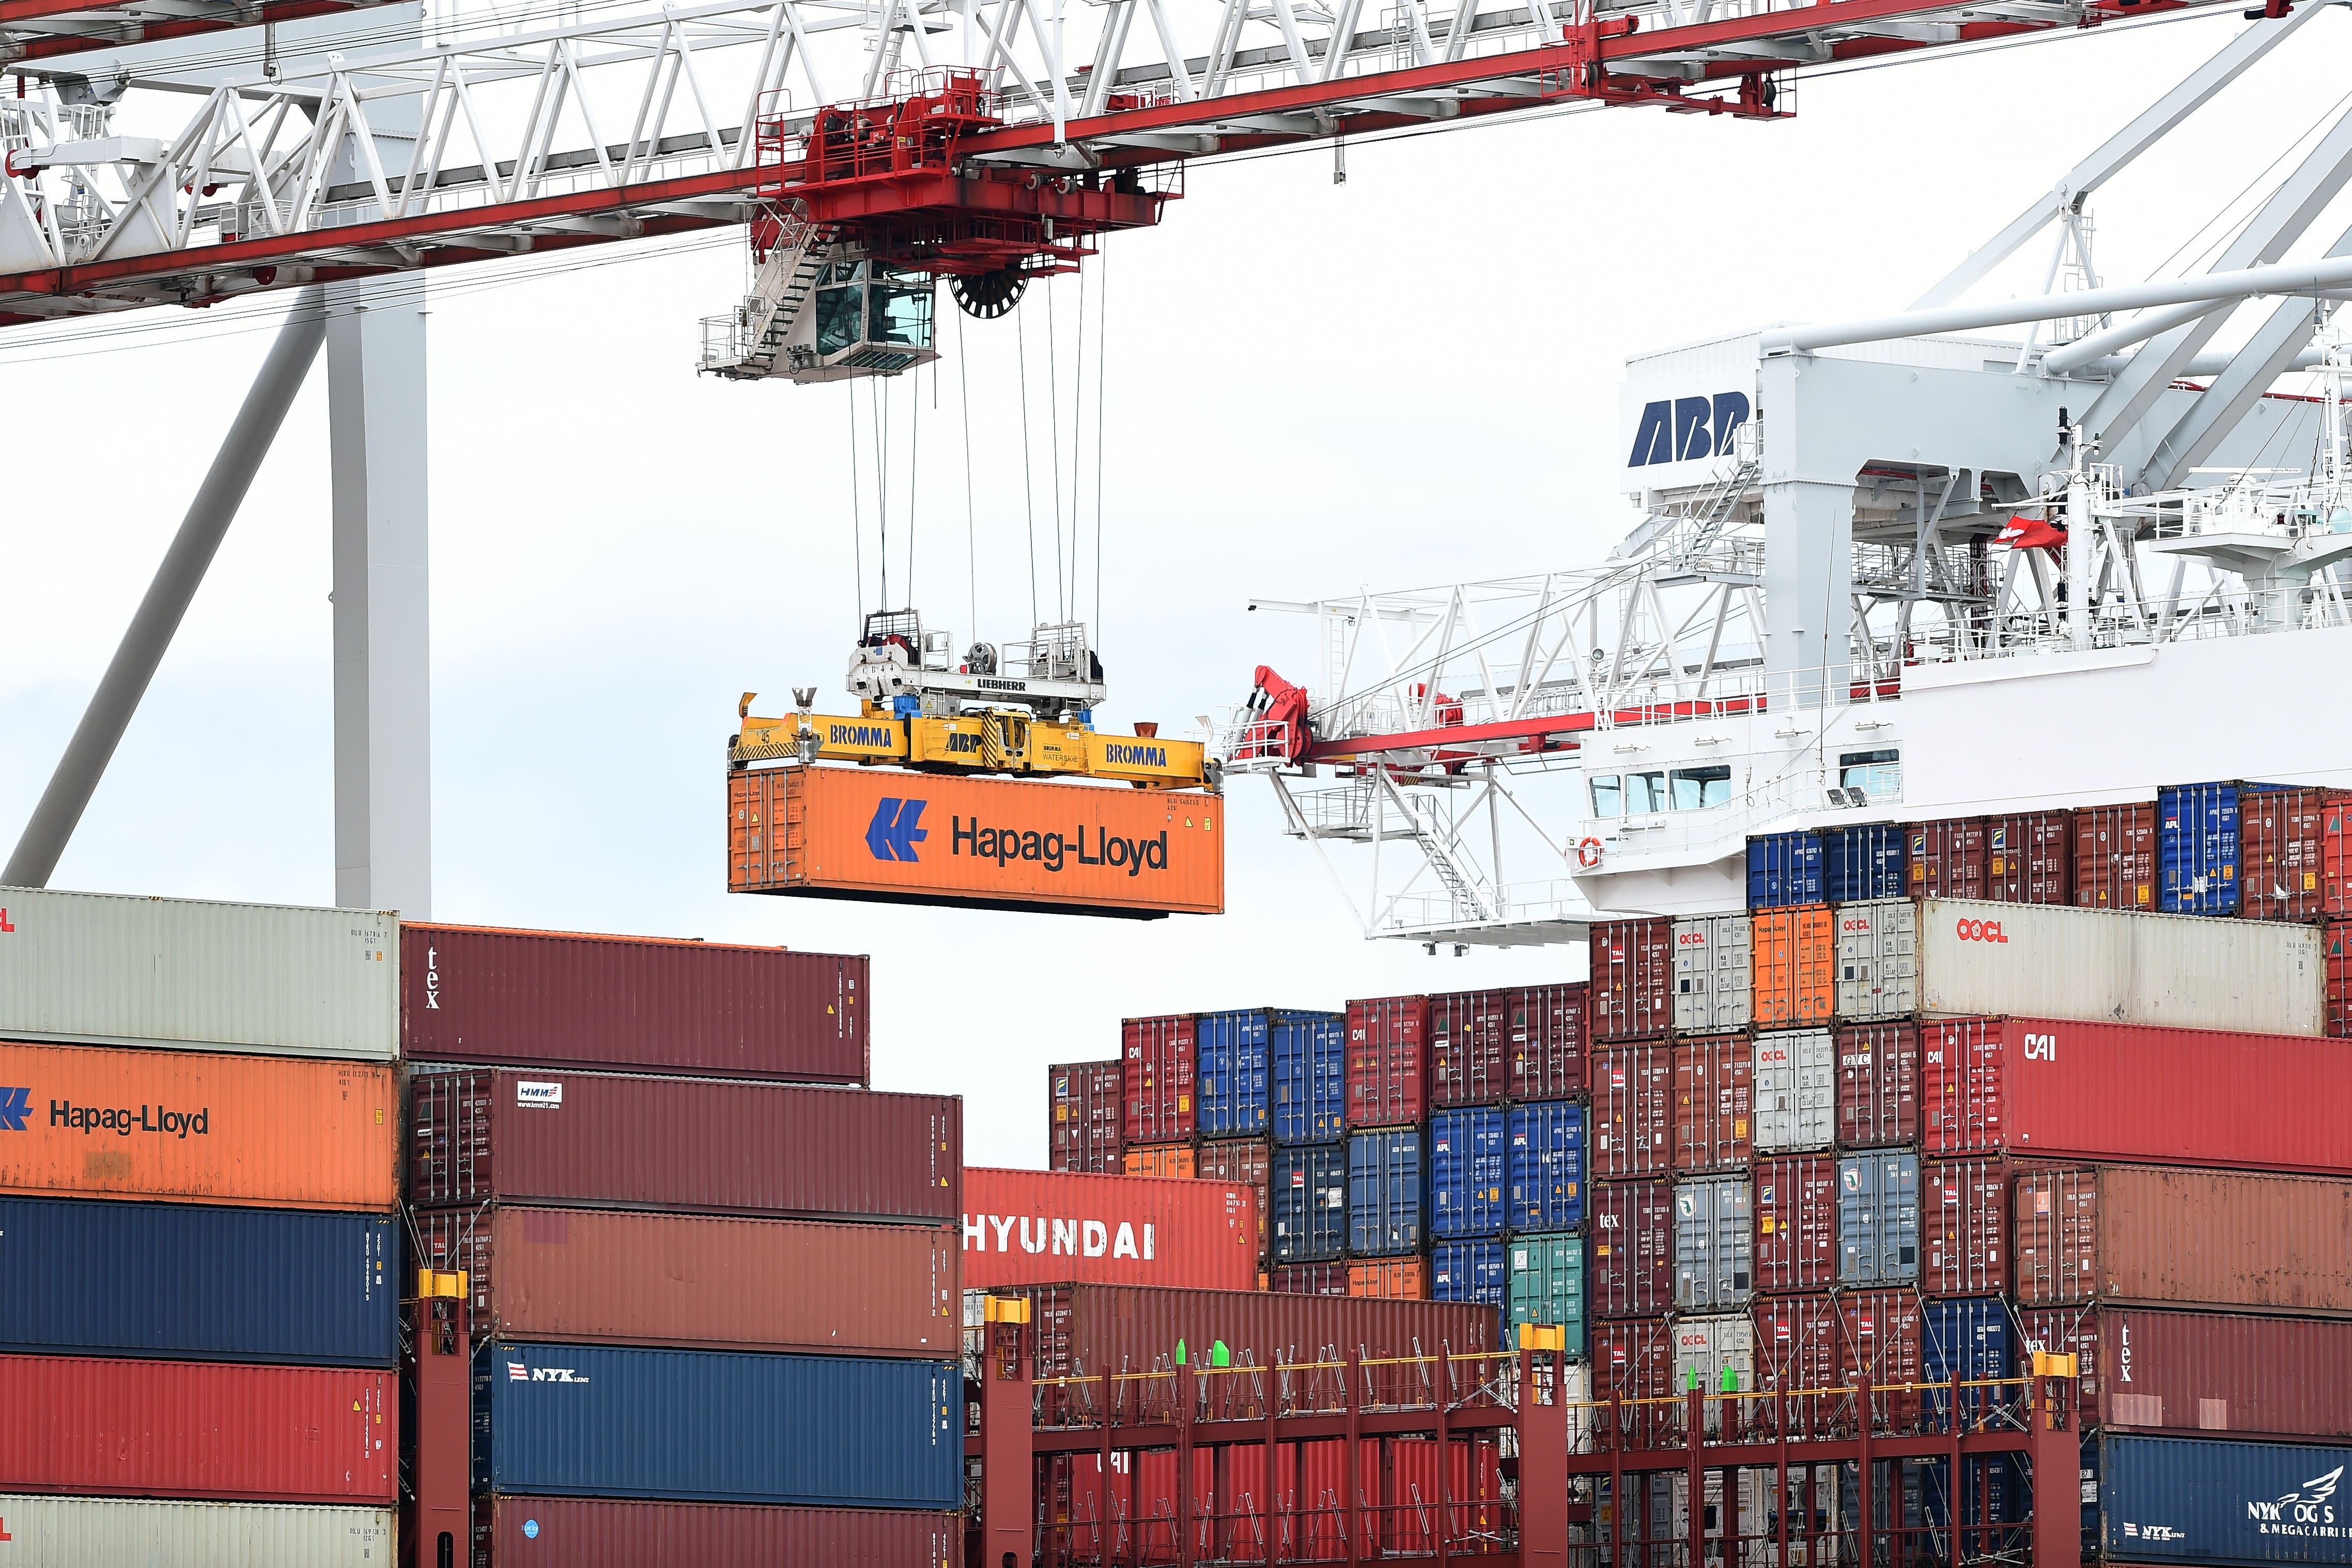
{"x":1053,"y":432}
{"x":1077,"y":440}
{"x":2239,"y":227}
{"x":1028,"y":485}
{"x":1102,"y":365}
{"x":915,"y":464}
{"x":971,"y":506}
{"x":876,"y":402}
{"x":856,"y":527}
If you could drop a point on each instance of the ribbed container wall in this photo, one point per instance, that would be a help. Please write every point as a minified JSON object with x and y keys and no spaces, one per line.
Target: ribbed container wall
{"x":1799,"y":1344}
{"x":2281,"y":853}
{"x":1467,"y":1158}
{"x":1877,"y":1084}
{"x":1715,"y":1238}
{"x":1308,"y":1087}
{"x":1231,"y":1073}
{"x":1632,"y":1263}
{"x":606,"y":1140}
{"x":1307,"y":1203}
{"x":1878,"y":1218}
{"x":1880,"y":1334}
{"x":1632,"y":1110}
{"x":715,"y":1426}
{"x":592,"y":1532}
{"x":2029,"y":859}
{"x":1388,"y":1193}
{"x":2040,"y":961}
{"x":1863,"y":862}
{"x":190,"y":1127}
{"x":1633,"y":1359}
{"x":1549,"y":1041}
{"x":1546,"y":1285}
{"x":1963,"y":1225}
{"x":164,"y":973}
{"x":1633,"y":984}
{"x":1796,"y":1222}
{"x":2197,"y":848}
{"x":1715,"y":1110}
{"x":1968,"y":1337}
{"x":1784,"y":868}
{"x":1086,"y":1127}
{"x":1544,"y":1170}
{"x":1796,"y":1091}
{"x":626,"y":1276}
{"x":2064,"y":1090}
{"x":1472,"y":1271}
{"x":1391,"y":1279}
{"x":2213,"y":1501}
{"x":560,"y":998}
{"x":2144,"y":1234}
{"x":142,"y":1532}
{"x":1714,"y":974}
{"x":2203,"y":1371}
{"x":1159,"y":1056}
{"x":199,"y":1429}
{"x":175,"y":1281}
{"x":1172,"y":1162}
{"x":1088,"y":1330}
{"x":1796,"y":968}
{"x":1308,"y":1279}
{"x":1877,"y":960}
{"x":1715,"y":1354}
{"x":1469,"y":1032}
{"x":1239,"y":1161}
{"x":1388,"y":1061}
{"x":1948,"y":859}
{"x":2115,"y":857}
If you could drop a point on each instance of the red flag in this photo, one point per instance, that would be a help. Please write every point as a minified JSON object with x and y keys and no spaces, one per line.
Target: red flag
{"x":2032,"y":533}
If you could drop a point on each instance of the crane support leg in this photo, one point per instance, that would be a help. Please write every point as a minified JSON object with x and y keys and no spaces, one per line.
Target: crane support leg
{"x":384,"y":781}
{"x":168,"y":596}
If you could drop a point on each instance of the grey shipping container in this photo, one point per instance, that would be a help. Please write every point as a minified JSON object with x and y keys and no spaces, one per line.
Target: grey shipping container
{"x":1796,"y":1091}
{"x":142,"y":1533}
{"x":1715,"y":1354}
{"x":1878,"y":959}
{"x":177,"y":972}
{"x":1715,"y":978}
{"x":1878,"y":1218}
{"x":1714,"y":1241}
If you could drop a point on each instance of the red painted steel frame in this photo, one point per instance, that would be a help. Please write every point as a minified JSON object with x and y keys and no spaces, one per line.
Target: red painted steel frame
{"x":439,"y":1373}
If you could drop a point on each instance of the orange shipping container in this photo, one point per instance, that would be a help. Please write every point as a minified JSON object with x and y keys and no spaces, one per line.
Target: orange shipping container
{"x":984,"y":843}
{"x":190,"y":1127}
{"x":1796,"y":966}
{"x":1161,"y":1160}
{"x":1391,"y":1279}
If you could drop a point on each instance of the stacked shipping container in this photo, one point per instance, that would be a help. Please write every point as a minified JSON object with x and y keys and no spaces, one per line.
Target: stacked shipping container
{"x":641,"y":1154}
{"x":200,"y":1327}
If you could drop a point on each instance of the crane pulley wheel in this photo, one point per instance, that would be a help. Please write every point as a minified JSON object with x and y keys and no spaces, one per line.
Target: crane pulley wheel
{"x":989,"y":295}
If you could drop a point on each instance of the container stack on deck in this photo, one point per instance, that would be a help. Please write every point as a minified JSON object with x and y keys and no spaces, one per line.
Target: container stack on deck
{"x":199,"y":1156}
{"x":714,"y":1276}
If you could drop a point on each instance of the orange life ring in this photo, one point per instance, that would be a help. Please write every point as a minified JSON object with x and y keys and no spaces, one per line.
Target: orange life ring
{"x":1588,"y":853}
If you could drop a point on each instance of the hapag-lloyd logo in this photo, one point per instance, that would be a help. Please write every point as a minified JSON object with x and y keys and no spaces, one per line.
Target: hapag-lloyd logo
{"x":1982,"y":931}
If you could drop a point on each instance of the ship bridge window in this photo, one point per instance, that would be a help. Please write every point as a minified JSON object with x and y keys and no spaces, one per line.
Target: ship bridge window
{"x":1697,"y":788}
{"x":1877,"y":774}
{"x":1628,"y":794}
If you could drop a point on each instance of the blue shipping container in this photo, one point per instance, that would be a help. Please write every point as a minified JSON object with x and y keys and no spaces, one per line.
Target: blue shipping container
{"x":1543,"y":1171}
{"x":1472,"y":1271}
{"x":1388,"y":1193}
{"x":177,"y":1281}
{"x":718,"y":1426}
{"x":2209,"y":1499}
{"x":1308,"y":1083}
{"x":1231,"y":1073}
{"x":1465,"y":1173}
{"x":1307,"y":1203}
{"x":1878,"y":1218}
{"x":2197,"y":848}
{"x":1864,"y":862}
{"x":1784,"y":868}
{"x":1967,"y":1335}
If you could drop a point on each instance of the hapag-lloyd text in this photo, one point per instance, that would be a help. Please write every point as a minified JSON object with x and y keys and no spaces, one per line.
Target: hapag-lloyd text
{"x":1053,"y":851}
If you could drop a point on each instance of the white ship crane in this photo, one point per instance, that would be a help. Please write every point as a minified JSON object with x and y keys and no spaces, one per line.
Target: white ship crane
{"x":1880,"y":569}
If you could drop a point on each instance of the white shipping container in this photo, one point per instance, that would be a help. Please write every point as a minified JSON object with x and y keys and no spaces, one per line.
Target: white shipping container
{"x":1708,"y":1348}
{"x":2185,"y":971}
{"x":1878,"y":959}
{"x":139,"y":1532}
{"x":1795,"y":1087}
{"x":1715,"y":977}
{"x":102,"y":969}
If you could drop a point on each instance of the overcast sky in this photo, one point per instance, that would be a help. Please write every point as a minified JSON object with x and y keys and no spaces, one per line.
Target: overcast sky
{"x":1408,"y":379}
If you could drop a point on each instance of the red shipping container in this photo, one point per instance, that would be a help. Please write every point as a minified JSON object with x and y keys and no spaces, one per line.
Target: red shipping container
{"x":627,"y":1277}
{"x":638,"y":1003}
{"x":1308,"y":1279}
{"x":1964,"y":1227}
{"x":1633,"y":1359}
{"x":2030,"y":858}
{"x":1796,"y":1205}
{"x":1948,"y":858}
{"x":1878,"y":1084}
{"x":606,"y":1140}
{"x":1388,"y":1061}
{"x":1632,"y":994}
{"x":2158,"y":1371}
{"x":1160,"y":1057}
{"x":1247,"y":1161}
{"x":1044,"y":1228}
{"x":1631,"y":1272}
{"x":2135,"y":1092}
{"x":1468,"y":1032}
{"x":1632,"y":1110}
{"x":198,"y":1429}
{"x":1547,"y":1042}
{"x":1086,"y":1116}
{"x":1879,"y":1345}
{"x":2282,"y":858}
{"x":1714,"y":1103}
{"x":595,"y":1532}
{"x":2147,"y":1235}
{"x":2336,"y":857}
{"x":2115,"y":857}
{"x":1799,"y":1345}
{"x":2336,"y":942}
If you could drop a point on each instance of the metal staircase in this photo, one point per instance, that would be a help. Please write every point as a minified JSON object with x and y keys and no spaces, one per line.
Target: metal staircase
{"x":746,"y":344}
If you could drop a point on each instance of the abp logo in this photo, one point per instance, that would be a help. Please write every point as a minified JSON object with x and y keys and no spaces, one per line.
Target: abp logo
{"x":892,"y":835}
{"x":1678,"y":429}
{"x":14,"y":1106}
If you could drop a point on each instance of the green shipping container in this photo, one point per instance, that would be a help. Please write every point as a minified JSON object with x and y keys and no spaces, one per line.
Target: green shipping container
{"x":1546,"y":1286}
